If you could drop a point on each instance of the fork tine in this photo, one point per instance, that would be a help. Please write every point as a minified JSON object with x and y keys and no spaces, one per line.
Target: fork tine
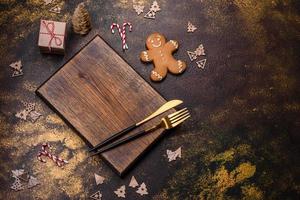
{"x":178,"y":115}
{"x":180,"y":121}
{"x":175,"y":113}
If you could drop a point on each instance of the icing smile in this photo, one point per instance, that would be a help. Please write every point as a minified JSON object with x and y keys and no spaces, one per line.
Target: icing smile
{"x":157,"y":45}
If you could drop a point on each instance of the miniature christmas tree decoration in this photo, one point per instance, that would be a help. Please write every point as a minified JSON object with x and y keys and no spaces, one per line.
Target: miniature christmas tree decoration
{"x":17,"y":68}
{"x":191,"y":28}
{"x":96,"y":196}
{"x":155,"y":7}
{"x":99,"y":179}
{"x":142,"y":190}
{"x":28,"y":113}
{"x":198,"y":52}
{"x":192,"y":55}
{"x":150,"y":15}
{"x":22,"y":114}
{"x":20,"y":174}
{"x":17,"y":185}
{"x":138,"y":9}
{"x":133,"y":183}
{"x":34,"y":115}
{"x":17,"y":73}
{"x":16,"y":65}
{"x":81,"y":20}
{"x":173,"y":155}
{"x":201,"y":63}
{"x":33,"y":182}
{"x":120,"y":192}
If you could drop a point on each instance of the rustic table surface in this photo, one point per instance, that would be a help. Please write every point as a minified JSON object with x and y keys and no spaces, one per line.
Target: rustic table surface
{"x":243,"y":139}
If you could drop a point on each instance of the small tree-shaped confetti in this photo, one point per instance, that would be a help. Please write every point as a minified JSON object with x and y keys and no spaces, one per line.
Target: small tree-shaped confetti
{"x":81,"y":20}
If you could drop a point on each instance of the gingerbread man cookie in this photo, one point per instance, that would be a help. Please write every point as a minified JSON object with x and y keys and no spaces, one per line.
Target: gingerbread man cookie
{"x":160,"y":53}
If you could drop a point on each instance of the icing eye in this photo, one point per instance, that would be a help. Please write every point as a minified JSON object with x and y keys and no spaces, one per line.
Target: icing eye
{"x":158,"y":39}
{"x":152,"y":41}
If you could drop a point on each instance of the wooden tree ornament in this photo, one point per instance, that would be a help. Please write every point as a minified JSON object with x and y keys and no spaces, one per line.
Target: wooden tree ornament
{"x":99,"y":179}
{"x":121,"y":192}
{"x":81,"y":20}
{"x":133,"y":183}
{"x":142,"y":190}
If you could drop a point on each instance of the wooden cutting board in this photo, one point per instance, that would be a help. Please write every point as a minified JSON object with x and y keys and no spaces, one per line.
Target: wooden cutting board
{"x":99,"y":94}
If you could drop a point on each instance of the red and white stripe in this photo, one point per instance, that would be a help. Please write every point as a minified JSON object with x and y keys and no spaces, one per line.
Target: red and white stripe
{"x":122,"y":32}
{"x":59,"y":161}
{"x":124,"y":44}
{"x":115,"y":25}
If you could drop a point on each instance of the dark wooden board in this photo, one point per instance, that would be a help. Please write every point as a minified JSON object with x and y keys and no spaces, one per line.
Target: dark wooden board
{"x":98,"y":93}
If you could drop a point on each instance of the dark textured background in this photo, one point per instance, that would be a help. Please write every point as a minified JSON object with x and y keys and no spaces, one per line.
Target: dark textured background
{"x":243,"y":139}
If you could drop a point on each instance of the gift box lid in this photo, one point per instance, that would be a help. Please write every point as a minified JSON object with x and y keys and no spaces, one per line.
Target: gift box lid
{"x":52,"y":34}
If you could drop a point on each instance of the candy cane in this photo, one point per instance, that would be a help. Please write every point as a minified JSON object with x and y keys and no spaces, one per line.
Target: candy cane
{"x":59,"y":161}
{"x":119,"y":29}
{"x":113,"y":26}
{"x":122,"y":32}
{"x":125,"y":46}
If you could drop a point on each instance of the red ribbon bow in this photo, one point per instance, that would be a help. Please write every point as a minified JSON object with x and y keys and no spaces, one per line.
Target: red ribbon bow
{"x":50,"y":27}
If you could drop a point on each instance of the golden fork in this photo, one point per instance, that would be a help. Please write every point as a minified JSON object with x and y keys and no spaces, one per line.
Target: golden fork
{"x":168,"y":122}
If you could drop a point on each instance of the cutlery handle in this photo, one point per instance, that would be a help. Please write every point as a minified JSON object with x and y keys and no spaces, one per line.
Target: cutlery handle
{"x":122,"y":141}
{"x":127,"y":139}
{"x":113,"y":137}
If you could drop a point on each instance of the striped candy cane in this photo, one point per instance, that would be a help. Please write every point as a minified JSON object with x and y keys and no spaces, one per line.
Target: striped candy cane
{"x":59,"y":161}
{"x":124,"y":44}
{"x":118,"y":27}
{"x":122,"y":32}
{"x":115,"y":25}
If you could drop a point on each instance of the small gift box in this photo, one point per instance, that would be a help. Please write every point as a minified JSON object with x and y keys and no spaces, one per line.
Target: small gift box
{"x":52,"y":37}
